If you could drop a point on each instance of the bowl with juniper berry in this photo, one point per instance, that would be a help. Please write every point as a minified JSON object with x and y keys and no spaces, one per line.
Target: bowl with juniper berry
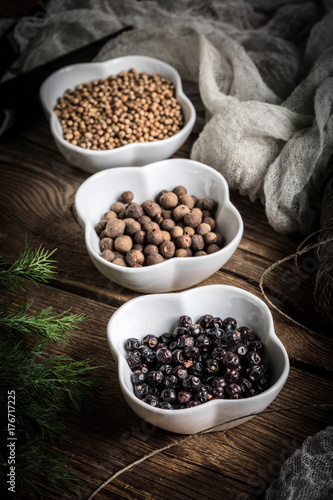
{"x":203,"y":360}
{"x":125,"y":111}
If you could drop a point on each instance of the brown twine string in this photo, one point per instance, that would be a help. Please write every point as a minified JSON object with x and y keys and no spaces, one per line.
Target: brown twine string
{"x":285,"y":259}
{"x":323,"y":290}
{"x":191,"y":436}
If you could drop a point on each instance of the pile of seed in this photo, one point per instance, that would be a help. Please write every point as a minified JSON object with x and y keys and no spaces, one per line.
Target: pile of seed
{"x":119,"y":110}
{"x":197,"y":362}
{"x":175,"y":224}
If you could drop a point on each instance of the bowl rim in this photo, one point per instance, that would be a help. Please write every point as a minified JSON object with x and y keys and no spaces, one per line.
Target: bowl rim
{"x":169,"y":262}
{"x":54,"y":121}
{"x":121,"y":361}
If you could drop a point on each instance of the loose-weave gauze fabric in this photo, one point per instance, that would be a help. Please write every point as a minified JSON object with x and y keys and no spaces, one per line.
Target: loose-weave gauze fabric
{"x":308,"y":473}
{"x":260,"y":73}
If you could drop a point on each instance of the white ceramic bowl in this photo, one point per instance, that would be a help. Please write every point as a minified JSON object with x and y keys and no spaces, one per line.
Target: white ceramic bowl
{"x":156,"y":314}
{"x":132,"y":154}
{"x":96,"y":195}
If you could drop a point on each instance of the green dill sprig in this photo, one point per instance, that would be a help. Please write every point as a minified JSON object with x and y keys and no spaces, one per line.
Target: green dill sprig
{"x":32,"y":265}
{"x":20,"y":321}
{"x":61,"y":376}
{"x":44,"y":381}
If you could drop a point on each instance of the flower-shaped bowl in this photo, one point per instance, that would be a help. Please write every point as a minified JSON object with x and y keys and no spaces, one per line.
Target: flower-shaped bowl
{"x":156,"y":314}
{"x":96,"y":195}
{"x":131,"y":154}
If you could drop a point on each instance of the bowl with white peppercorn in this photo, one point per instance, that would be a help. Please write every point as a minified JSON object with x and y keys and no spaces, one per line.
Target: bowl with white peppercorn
{"x":206,"y":359}
{"x":126,"y":111}
{"x":161,"y":227}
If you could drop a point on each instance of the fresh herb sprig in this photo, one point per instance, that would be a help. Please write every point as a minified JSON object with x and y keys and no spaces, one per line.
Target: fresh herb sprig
{"x":42,"y":380}
{"x":33,"y":265}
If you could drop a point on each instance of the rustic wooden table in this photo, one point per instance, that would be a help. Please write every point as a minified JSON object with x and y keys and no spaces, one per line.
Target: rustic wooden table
{"x":37,"y":191}
{"x":36,"y":197}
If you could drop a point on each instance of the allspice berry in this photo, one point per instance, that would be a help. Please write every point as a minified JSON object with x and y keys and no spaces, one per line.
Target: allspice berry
{"x":106,"y":244}
{"x":111,"y":214}
{"x":114,"y":228}
{"x":123,"y":243}
{"x":166,"y":236}
{"x":203,"y":228}
{"x":187,"y":199}
{"x":189,"y":231}
{"x":206,"y":204}
{"x":210,"y":221}
{"x":167,"y":249}
{"x":150,"y":226}
{"x":169,"y":200}
{"x":212,"y":248}
{"x":198,"y":242}
{"x":179,"y":212}
{"x":119,"y":261}
{"x":108,"y":255}
{"x":210,"y":238}
{"x":154,"y":258}
{"x":149,"y":249}
{"x":219,"y":240}
{"x":126,"y":197}
{"x":144,"y":219}
{"x":132,"y":226}
{"x":118,"y":207}
{"x":167,"y":225}
{"x":140,"y":237}
{"x":181,"y":252}
{"x":166,"y":214}
{"x":183,"y":241}
{"x":179,"y":190}
{"x":151,"y":208}
{"x":161,"y":193}
{"x":139,"y":247}
{"x":100,"y":226}
{"x":134,"y":258}
{"x":193,"y":218}
{"x":158,"y":219}
{"x":103,"y":235}
{"x":154,"y":236}
{"x":134,"y":210}
{"x":176,"y":232}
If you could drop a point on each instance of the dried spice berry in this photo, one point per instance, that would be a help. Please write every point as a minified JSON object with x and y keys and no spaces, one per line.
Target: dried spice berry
{"x":194,"y":364}
{"x":114,"y":228}
{"x":179,"y":212}
{"x":134,"y":210}
{"x":110,"y":215}
{"x":170,"y":227}
{"x":193,"y":218}
{"x":123,"y":244}
{"x":167,"y":249}
{"x":126,"y":197}
{"x":106,"y":244}
{"x":154,"y":258}
{"x":135,"y":258}
{"x":180,"y":190}
{"x":108,"y":255}
{"x":119,"y":110}
{"x":169,"y":200}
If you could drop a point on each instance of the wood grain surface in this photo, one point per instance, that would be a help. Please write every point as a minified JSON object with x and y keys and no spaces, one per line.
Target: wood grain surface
{"x":36,"y":199}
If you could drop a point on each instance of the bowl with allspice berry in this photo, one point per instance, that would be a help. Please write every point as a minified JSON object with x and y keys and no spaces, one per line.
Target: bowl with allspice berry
{"x":162,"y":227}
{"x":127,"y":111}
